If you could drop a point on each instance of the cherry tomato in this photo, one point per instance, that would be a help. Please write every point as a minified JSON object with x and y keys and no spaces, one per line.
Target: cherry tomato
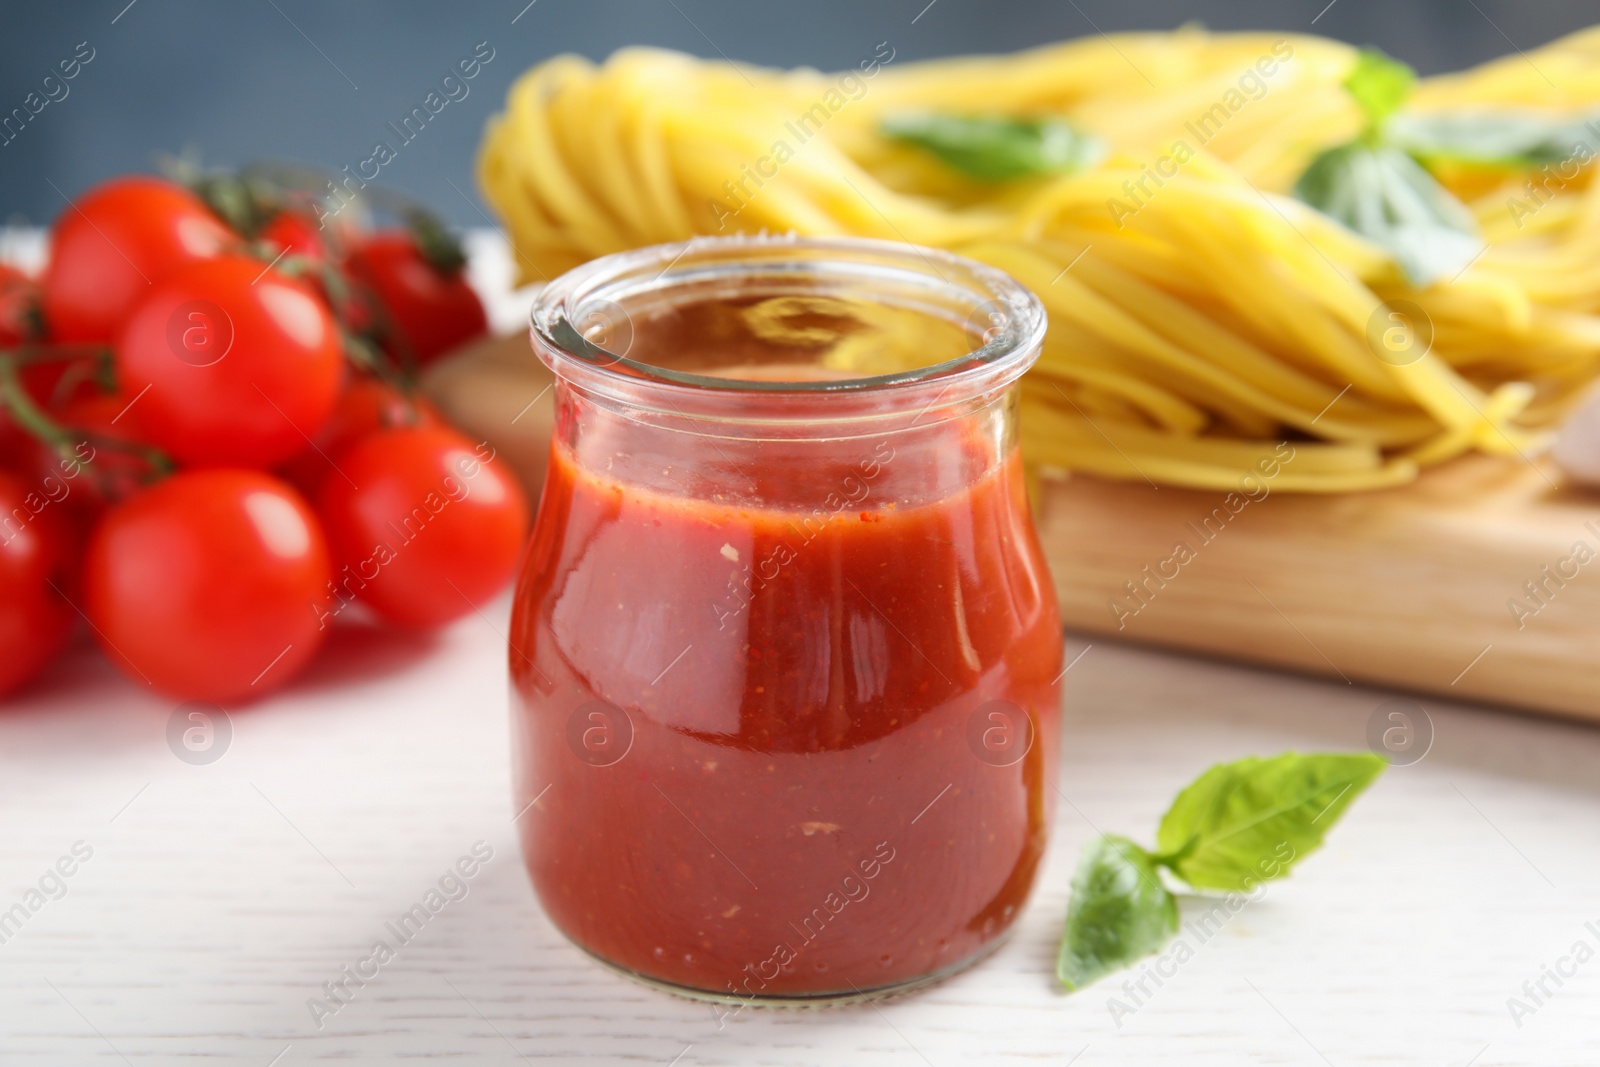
{"x":424,"y":526}
{"x":209,"y":585}
{"x":70,"y":480}
{"x":82,"y":476}
{"x":19,"y":325}
{"x":19,"y":305}
{"x":366,"y":404}
{"x":297,"y":235}
{"x":52,"y":382}
{"x":243,"y":364}
{"x":113,"y":244}
{"x":35,"y":618}
{"x":99,"y":472}
{"x":434,"y":311}
{"x":93,"y":420}
{"x":16,"y":447}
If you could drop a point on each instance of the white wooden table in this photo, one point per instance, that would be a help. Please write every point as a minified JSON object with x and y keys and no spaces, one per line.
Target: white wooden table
{"x":220,"y":898}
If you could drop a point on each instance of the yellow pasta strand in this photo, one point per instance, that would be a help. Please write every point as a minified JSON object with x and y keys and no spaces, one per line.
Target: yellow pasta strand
{"x":1202,"y":321}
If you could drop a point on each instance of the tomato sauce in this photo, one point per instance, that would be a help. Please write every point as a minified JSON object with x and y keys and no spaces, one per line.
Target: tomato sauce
{"x":756,"y":746}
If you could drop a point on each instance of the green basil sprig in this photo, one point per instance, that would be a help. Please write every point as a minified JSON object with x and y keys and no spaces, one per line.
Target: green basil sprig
{"x":1379,"y":84}
{"x":1496,"y":138}
{"x":1381,"y":193}
{"x":1119,"y":911}
{"x":1376,"y":189}
{"x":1238,"y":824}
{"x":997,"y":148}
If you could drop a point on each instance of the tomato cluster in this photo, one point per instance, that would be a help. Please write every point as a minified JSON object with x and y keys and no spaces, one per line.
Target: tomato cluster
{"x":210,"y":445}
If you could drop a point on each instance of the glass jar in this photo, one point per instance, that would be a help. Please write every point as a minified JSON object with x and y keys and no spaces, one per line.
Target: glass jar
{"x":785,"y":655}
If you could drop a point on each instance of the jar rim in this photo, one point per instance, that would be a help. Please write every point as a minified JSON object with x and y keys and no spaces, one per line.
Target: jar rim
{"x":1009,"y":345}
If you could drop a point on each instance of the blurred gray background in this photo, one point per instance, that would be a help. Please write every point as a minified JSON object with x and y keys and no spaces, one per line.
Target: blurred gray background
{"x":318,"y":82}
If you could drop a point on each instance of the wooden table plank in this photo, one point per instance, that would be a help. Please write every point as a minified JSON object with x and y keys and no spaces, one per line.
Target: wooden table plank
{"x":1414,"y":587}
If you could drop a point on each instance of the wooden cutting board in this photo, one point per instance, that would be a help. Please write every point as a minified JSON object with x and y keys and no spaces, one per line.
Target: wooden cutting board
{"x":1480,"y":582}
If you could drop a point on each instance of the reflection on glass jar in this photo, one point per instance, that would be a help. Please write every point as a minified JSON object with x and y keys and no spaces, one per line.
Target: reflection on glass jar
{"x":785,"y":653}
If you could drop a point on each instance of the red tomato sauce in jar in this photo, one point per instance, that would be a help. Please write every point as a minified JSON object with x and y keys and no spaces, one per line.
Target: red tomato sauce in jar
{"x":764,"y":742}
{"x":785,"y":656}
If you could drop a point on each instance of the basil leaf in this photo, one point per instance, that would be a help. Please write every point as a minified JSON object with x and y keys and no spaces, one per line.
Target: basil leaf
{"x":1248,"y":821}
{"x":1119,"y":912}
{"x":1507,"y":138}
{"x":997,"y":148}
{"x":1387,"y":197}
{"x":1380,"y":84}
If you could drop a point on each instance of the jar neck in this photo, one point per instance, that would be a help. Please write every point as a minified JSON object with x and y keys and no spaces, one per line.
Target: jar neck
{"x":771,"y":372}
{"x":715,"y":328}
{"x":895,"y":458}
